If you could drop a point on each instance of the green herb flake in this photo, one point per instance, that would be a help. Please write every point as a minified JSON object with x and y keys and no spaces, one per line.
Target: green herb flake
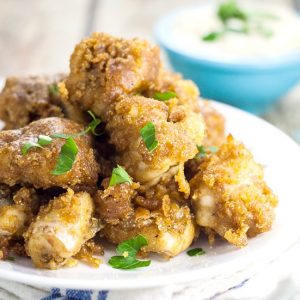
{"x":119,"y":175}
{"x":230,"y":10}
{"x":27,"y":146}
{"x":165,"y":96}
{"x":127,"y":251}
{"x":213,"y":36}
{"x":93,"y":124}
{"x":201,"y":151}
{"x":249,"y":21}
{"x":131,"y":247}
{"x":44,"y":140}
{"x":120,"y":262}
{"x":53,"y":89}
{"x":61,"y":136}
{"x":66,"y":157}
{"x":10,"y":258}
{"x":148,"y":135}
{"x":195,"y":252}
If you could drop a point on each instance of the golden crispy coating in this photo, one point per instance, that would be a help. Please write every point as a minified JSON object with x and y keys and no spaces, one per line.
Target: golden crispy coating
{"x":35,"y":167}
{"x":114,"y":203}
{"x":188,"y":96}
{"x":215,"y":124}
{"x":150,"y":197}
{"x":26,"y":99}
{"x":13,"y":219}
{"x":230,"y":196}
{"x":103,"y":67}
{"x":60,"y":229}
{"x":175,"y":143}
{"x":168,"y":230}
{"x":17,"y":207}
{"x":106,"y":74}
{"x":186,"y":91}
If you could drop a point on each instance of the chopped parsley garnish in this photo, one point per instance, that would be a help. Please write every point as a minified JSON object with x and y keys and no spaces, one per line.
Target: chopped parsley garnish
{"x":165,"y":96}
{"x":148,"y":135}
{"x":53,"y":89}
{"x":69,"y":150}
{"x":195,"y":252}
{"x":93,"y":124}
{"x":61,"y":135}
{"x":249,"y":22}
{"x":66,"y":157}
{"x":127,"y":251}
{"x":213,"y":36}
{"x":43,"y":140}
{"x":203,"y":151}
{"x":230,"y":10}
{"x":27,"y":146}
{"x":119,"y":175}
{"x":91,"y":127}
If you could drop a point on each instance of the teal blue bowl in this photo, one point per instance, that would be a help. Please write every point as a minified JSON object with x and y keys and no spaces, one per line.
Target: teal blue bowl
{"x":253,"y":85}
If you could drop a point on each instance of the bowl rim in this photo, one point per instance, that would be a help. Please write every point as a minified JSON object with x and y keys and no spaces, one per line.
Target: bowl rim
{"x":162,"y":36}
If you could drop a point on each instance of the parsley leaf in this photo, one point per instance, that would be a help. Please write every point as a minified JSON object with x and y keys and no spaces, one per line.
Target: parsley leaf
{"x":203,"y":151}
{"x":90,"y":127}
{"x":120,"y":262}
{"x":27,"y":146}
{"x":66,"y":157}
{"x":148,"y":135}
{"x":230,"y":10}
{"x":53,"y":89}
{"x":131,"y":247}
{"x":195,"y":252}
{"x":210,"y":37}
{"x":119,"y":175}
{"x":44,"y":140}
{"x":128,"y":251}
{"x":61,"y":135}
{"x":165,"y":96}
{"x":93,"y":124}
{"x":249,"y":21}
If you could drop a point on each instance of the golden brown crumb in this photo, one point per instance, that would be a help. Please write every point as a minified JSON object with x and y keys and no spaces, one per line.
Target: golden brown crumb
{"x":35,"y":167}
{"x":230,"y":196}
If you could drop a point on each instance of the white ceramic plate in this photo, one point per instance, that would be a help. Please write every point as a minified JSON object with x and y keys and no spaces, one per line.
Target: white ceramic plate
{"x":272,"y":148}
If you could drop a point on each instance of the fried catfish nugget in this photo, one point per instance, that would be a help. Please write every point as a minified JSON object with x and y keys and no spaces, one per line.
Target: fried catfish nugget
{"x":17,"y":207}
{"x":114,"y":203}
{"x":176,"y":143}
{"x":230,"y":196}
{"x":103,"y":67}
{"x":168,"y":230}
{"x":27,"y":99}
{"x":60,"y":230}
{"x":35,"y":167}
{"x":187,"y":95}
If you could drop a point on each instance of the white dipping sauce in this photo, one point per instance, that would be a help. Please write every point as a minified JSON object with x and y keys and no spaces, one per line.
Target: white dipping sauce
{"x":191,"y":25}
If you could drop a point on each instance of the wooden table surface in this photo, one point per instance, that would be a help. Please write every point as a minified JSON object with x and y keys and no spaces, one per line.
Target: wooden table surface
{"x":38,"y":36}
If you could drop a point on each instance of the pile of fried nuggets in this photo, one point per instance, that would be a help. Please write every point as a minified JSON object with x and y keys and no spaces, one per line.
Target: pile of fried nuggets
{"x":175,"y":194}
